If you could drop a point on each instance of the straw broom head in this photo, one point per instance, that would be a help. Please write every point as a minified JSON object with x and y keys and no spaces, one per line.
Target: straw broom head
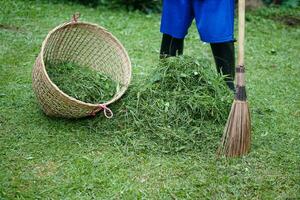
{"x":237,"y":133}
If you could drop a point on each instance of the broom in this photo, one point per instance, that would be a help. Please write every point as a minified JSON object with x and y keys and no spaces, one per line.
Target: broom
{"x":237,"y":133}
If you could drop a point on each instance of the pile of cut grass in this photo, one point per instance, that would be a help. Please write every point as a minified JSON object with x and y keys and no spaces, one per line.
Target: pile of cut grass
{"x":182,"y":91}
{"x":81,"y":82}
{"x":183,"y":102}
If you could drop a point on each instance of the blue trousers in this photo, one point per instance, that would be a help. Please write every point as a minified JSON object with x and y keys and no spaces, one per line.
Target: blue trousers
{"x":214,"y":19}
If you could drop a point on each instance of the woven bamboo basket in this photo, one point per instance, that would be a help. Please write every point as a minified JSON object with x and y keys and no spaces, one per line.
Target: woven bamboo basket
{"x":85,"y":44}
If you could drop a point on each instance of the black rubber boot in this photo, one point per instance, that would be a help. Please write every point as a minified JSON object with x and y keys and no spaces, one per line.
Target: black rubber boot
{"x":225,"y":61}
{"x":171,"y":46}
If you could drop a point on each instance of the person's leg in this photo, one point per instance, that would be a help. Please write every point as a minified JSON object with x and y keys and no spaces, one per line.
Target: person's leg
{"x":171,"y":46}
{"x":215,"y":23}
{"x":225,"y":61}
{"x":177,"y":16}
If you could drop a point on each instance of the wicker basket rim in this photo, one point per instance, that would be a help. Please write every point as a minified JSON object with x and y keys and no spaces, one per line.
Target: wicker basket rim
{"x":121,"y":92}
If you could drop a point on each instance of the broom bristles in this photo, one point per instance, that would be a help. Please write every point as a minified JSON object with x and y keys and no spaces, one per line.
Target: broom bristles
{"x":237,"y":133}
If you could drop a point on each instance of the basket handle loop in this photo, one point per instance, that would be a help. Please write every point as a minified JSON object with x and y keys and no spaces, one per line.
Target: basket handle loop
{"x":107,"y":112}
{"x":75,"y":17}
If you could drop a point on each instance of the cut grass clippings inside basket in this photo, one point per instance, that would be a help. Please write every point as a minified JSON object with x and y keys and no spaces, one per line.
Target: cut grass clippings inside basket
{"x":82,"y":82}
{"x":183,"y":103}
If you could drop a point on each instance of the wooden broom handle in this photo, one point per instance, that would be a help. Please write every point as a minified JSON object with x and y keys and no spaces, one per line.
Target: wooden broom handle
{"x":241,"y":36}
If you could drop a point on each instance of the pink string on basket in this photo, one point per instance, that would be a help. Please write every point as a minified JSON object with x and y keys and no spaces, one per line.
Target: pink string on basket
{"x":75,"y":17}
{"x":107,"y":112}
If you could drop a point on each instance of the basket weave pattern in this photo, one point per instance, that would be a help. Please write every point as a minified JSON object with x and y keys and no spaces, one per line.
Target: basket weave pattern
{"x":86,"y":45}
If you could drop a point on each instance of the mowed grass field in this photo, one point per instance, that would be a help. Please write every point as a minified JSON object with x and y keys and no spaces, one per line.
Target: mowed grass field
{"x":48,"y":158}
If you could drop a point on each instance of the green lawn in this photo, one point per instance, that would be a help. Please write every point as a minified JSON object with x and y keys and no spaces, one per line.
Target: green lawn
{"x":46,"y":158}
